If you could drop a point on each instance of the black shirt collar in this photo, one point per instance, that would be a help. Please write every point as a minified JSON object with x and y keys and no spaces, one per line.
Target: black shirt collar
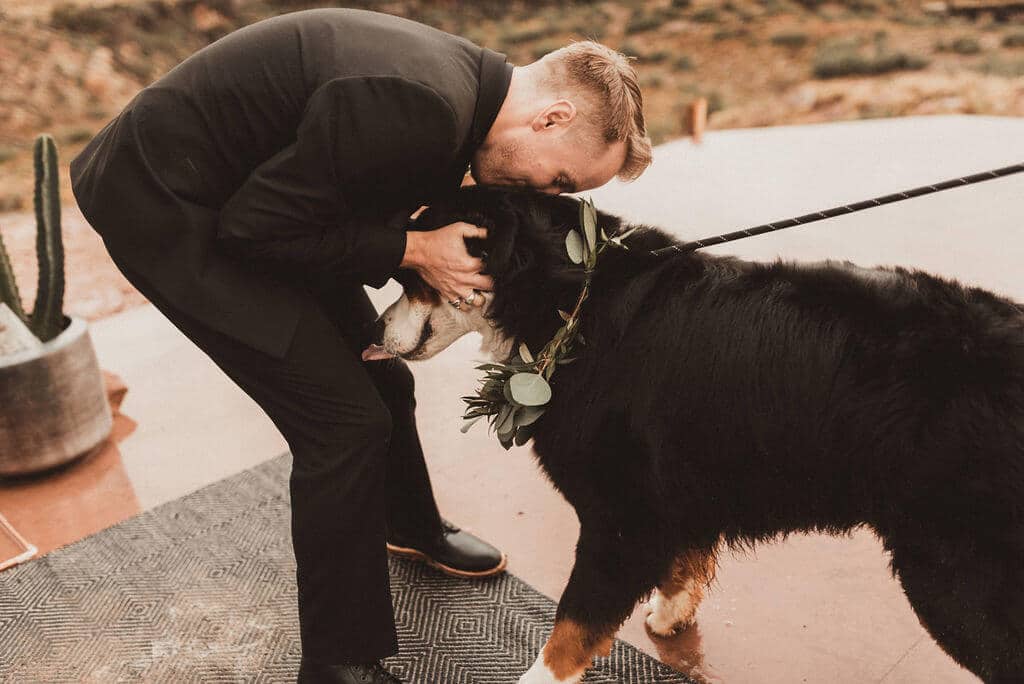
{"x":495,"y":77}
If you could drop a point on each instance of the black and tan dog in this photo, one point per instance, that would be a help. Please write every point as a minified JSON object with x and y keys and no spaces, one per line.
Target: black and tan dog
{"x":719,"y":401}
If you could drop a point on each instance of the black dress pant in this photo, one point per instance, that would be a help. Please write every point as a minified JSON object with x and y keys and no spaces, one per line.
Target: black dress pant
{"x":357,"y":464}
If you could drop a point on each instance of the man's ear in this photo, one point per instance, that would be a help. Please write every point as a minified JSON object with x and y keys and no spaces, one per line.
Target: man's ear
{"x":558,"y":113}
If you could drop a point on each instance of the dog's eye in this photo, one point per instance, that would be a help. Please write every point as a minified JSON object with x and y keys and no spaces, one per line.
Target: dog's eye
{"x":415,"y":288}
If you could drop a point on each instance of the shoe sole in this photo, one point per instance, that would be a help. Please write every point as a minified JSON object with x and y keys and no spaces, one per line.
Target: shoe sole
{"x":448,"y":570}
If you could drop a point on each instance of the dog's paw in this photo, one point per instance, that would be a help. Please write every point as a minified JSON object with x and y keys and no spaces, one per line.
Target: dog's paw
{"x":671,"y":614}
{"x":540,"y":674}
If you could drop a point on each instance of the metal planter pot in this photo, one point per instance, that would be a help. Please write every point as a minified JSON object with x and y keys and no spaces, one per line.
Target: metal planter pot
{"x":53,"y":403}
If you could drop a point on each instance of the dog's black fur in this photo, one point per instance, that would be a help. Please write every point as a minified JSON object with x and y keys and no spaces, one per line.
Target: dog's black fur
{"x":718,"y":398}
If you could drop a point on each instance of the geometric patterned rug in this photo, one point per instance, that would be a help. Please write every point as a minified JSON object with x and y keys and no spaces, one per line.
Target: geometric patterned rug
{"x":201,"y":589}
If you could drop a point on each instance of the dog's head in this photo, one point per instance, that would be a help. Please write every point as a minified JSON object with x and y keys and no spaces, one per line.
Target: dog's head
{"x":525,"y":255}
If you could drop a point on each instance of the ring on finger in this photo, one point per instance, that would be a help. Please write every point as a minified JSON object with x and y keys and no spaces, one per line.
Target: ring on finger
{"x":472,"y":297}
{"x":456,"y":302}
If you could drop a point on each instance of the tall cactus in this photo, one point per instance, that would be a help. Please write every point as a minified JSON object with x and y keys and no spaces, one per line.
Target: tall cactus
{"x":47,"y":315}
{"x":9,"y":294}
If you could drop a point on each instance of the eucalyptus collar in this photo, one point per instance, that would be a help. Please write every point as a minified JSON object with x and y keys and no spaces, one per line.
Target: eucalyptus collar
{"x":514,"y":394}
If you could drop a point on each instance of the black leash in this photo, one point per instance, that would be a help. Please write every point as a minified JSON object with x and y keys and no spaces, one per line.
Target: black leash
{"x":839,"y":211}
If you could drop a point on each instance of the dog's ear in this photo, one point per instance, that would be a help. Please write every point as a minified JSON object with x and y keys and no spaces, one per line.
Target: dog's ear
{"x":480,"y":206}
{"x":524,"y":229}
{"x":533,"y":232}
{"x":503,"y":226}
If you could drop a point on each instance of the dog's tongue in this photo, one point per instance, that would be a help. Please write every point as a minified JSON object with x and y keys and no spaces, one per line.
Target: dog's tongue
{"x":375,"y":352}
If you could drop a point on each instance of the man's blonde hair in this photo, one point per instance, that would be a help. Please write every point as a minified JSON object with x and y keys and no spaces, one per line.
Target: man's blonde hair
{"x":609,"y":86}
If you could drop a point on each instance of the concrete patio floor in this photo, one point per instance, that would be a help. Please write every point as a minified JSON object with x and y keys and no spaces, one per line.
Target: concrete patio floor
{"x":813,"y":608}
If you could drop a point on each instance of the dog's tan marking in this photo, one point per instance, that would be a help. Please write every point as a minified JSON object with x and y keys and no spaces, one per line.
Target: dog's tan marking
{"x":676,"y":599}
{"x":572,"y":647}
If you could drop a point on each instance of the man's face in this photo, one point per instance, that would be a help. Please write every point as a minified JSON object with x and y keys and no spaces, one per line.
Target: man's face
{"x":552,"y":158}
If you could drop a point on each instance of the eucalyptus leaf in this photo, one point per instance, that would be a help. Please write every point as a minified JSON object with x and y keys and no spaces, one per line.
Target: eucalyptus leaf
{"x":565,"y":316}
{"x":524,"y":352}
{"x":523,"y":435}
{"x":469,"y":423}
{"x":512,"y":370}
{"x":507,"y":391}
{"x":529,"y":414}
{"x":622,"y":236}
{"x":530,"y":389}
{"x":589,"y":223}
{"x":508,"y":425}
{"x":504,"y":414}
{"x":574,"y":246}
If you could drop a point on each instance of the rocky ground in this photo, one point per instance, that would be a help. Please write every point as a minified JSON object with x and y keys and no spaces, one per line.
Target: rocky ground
{"x":68,"y":67}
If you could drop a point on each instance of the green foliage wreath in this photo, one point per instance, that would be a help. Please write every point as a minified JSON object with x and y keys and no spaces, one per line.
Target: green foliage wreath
{"x":514,"y":394}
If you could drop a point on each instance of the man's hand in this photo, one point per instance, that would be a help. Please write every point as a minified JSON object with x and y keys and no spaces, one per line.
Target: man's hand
{"x":441,"y":259}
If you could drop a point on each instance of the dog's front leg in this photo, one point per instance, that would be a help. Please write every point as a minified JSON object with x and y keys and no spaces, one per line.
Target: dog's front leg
{"x":568,"y":653}
{"x":609,"y":577}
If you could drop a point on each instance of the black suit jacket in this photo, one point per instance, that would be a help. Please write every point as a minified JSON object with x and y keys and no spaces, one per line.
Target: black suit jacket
{"x":295,"y":147}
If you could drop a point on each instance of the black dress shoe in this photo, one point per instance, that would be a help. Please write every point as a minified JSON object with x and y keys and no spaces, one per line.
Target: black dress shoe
{"x":322,"y":673}
{"x":454,"y":552}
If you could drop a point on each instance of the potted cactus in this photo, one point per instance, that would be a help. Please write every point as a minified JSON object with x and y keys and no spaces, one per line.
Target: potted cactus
{"x":53,"y":404}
